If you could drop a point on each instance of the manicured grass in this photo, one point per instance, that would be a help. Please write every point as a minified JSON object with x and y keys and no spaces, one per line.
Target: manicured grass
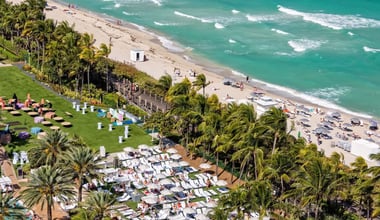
{"x":12,"y":80}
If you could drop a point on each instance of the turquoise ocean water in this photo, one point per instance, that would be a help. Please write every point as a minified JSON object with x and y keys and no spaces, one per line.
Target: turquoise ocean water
{"x":324,"y":49}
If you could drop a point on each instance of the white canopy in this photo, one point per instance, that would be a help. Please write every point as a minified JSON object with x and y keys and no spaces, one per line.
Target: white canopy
{"x":364,"y":148}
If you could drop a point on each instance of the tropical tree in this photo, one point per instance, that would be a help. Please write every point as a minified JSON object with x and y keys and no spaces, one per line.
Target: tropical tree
{"x":81,"y":162}
{"x":88,"y":54}
{"x":49,"y":148}
{"x":45,"y":184}
{"x":276,"y":120}
{"x":201,"y":83}
{"x":99,"y":204}
{"x":9,"y":207}
{"x":165,"y":82}
{"x":105,"y":51}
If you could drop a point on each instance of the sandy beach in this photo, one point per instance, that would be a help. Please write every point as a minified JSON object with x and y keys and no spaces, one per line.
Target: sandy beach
{"x":159,"y":60}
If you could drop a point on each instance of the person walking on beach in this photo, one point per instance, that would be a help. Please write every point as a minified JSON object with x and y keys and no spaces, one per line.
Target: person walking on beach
{"x":247,"y":78}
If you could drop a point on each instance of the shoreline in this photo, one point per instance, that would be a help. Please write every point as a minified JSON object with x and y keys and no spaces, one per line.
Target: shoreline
{"x":209,"y":66}
{"x":161,"y":59}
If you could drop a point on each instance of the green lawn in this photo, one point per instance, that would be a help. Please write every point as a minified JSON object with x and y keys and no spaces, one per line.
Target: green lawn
{"x":12,"y":80}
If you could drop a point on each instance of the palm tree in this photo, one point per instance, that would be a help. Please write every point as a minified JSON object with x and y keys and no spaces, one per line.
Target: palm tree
{"x":45,"y":184}
{"x":276,"y":120}
{"x":82,"y":163}
{"x":165,"y":82}
{"x":49,"y":148}
{"x":99,"y":204}
{"x":201,"y":83}
{"x":9,"y":207}
{"x":104,"y":51}
{"x":88,"y":53}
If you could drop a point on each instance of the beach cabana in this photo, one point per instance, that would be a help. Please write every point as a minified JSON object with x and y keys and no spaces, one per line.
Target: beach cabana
{"x":373,"y":125}
{"x":137,"y":55}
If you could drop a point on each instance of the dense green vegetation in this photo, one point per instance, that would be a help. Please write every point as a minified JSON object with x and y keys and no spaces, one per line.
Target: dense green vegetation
{"x":280,"y":175}
{"x":13,"y":81}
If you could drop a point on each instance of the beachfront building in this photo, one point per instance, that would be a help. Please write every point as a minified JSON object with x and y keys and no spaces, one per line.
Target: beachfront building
{"x":137,"y":55}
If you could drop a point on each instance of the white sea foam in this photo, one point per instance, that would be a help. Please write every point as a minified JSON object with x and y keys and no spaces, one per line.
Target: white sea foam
{"x":330,"y":93}
{"x":261,"y":18}
{"x":350,"y":33}
{"x":106,"y":8}
{"x":157,"y":2}
{"x":192,"y":17}
{"x":307,"y":97}
{"x":284,"y":54}
{"x":164,"y":24}
{"x":117,"y":5}
{"x":301,"y":45}
{"x":235,"y":11}
{"x":232,"y":41}
{"x":333,"y":21}
{"x":126,"y":13}
{"x":168,"y":44}
{"x":279,"y":31}
{"x":370,"y":50}
{"x":218,"y":25}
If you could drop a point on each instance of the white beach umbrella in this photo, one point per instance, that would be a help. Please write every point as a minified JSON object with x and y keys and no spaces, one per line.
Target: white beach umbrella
{"x":143,"y":147}
{"x":171,"y":151}
{"x":176,"y":156}
{"x":174,"y":164}
{"x":145,"y":153}
{"x":177,"y":217}
{"x":128,"y":149}
{"x":160,"y":176}
{"x":153,"y":186}
{"x":189,"y":211}
{"x":153,"y":159}
{"x":166,"y":181}
{"x":211,"y":204}
{"x":143,"y":167}
{"x":166,"y":192}
{"x":150,"y":199}
{"x":183,"y":163}
{"x":201,"y":216}
{"x":221,"y":183}
{"x":156,"y":147}
{"x":177,"y":189}
{"x":205,"y":166}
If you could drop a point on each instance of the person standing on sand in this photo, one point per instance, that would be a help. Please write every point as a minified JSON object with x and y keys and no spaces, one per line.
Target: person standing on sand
{"x":247,"y":78}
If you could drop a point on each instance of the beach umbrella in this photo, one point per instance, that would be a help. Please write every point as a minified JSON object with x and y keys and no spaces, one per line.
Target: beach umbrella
{"x":174,"y":164}
{"x":166,"y":192}
{"x":183,"y":163}
{"x":205,"y":166}
{"x":160,"y":176}
{"x":171,"y":151}
{"x":153,"y":186}
{"x":166,"y":181}
{"x":150,"y":199}
{"x":201,"y":216}
{"x":153,"y":159}
{"x":221,"y":183}
{"x":143,"y":167}
{"x":347,"y":125}
{"x":177,"y":189}
{"x":128,"y":149}
{"x":355,"y":121}
{"x":176,"y":217}
{"x":211,"y":204}
{"x":156,"y":147}
{"x":176,"y":156}
{"x":143,"y":147}
{"x":145,"y":153}
{"x":304,"y":120}
{"x":189,"y":211}
{"x":336,"y":115}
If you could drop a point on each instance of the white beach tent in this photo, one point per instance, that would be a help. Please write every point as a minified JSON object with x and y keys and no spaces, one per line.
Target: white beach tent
{"x":364,"y":148}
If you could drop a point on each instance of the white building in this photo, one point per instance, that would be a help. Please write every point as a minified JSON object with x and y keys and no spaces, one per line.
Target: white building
{"x":137,"y":55}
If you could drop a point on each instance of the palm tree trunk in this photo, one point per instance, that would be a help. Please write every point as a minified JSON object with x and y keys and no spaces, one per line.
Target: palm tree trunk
{"x":274,"y":143}
{"x":88,"y":78}
{"x":49,"y":211}
{"x":217,"y":163}
{"x":80,"y":189}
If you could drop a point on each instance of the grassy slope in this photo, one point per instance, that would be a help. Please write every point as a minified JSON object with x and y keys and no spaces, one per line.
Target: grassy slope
{"x":12,"y":80}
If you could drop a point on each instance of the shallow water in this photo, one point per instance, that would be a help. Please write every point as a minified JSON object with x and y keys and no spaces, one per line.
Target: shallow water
{"x":325,"y":50}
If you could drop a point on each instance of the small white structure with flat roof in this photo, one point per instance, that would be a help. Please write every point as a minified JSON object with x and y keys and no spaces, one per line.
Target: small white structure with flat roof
{"x":137,"y":55}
